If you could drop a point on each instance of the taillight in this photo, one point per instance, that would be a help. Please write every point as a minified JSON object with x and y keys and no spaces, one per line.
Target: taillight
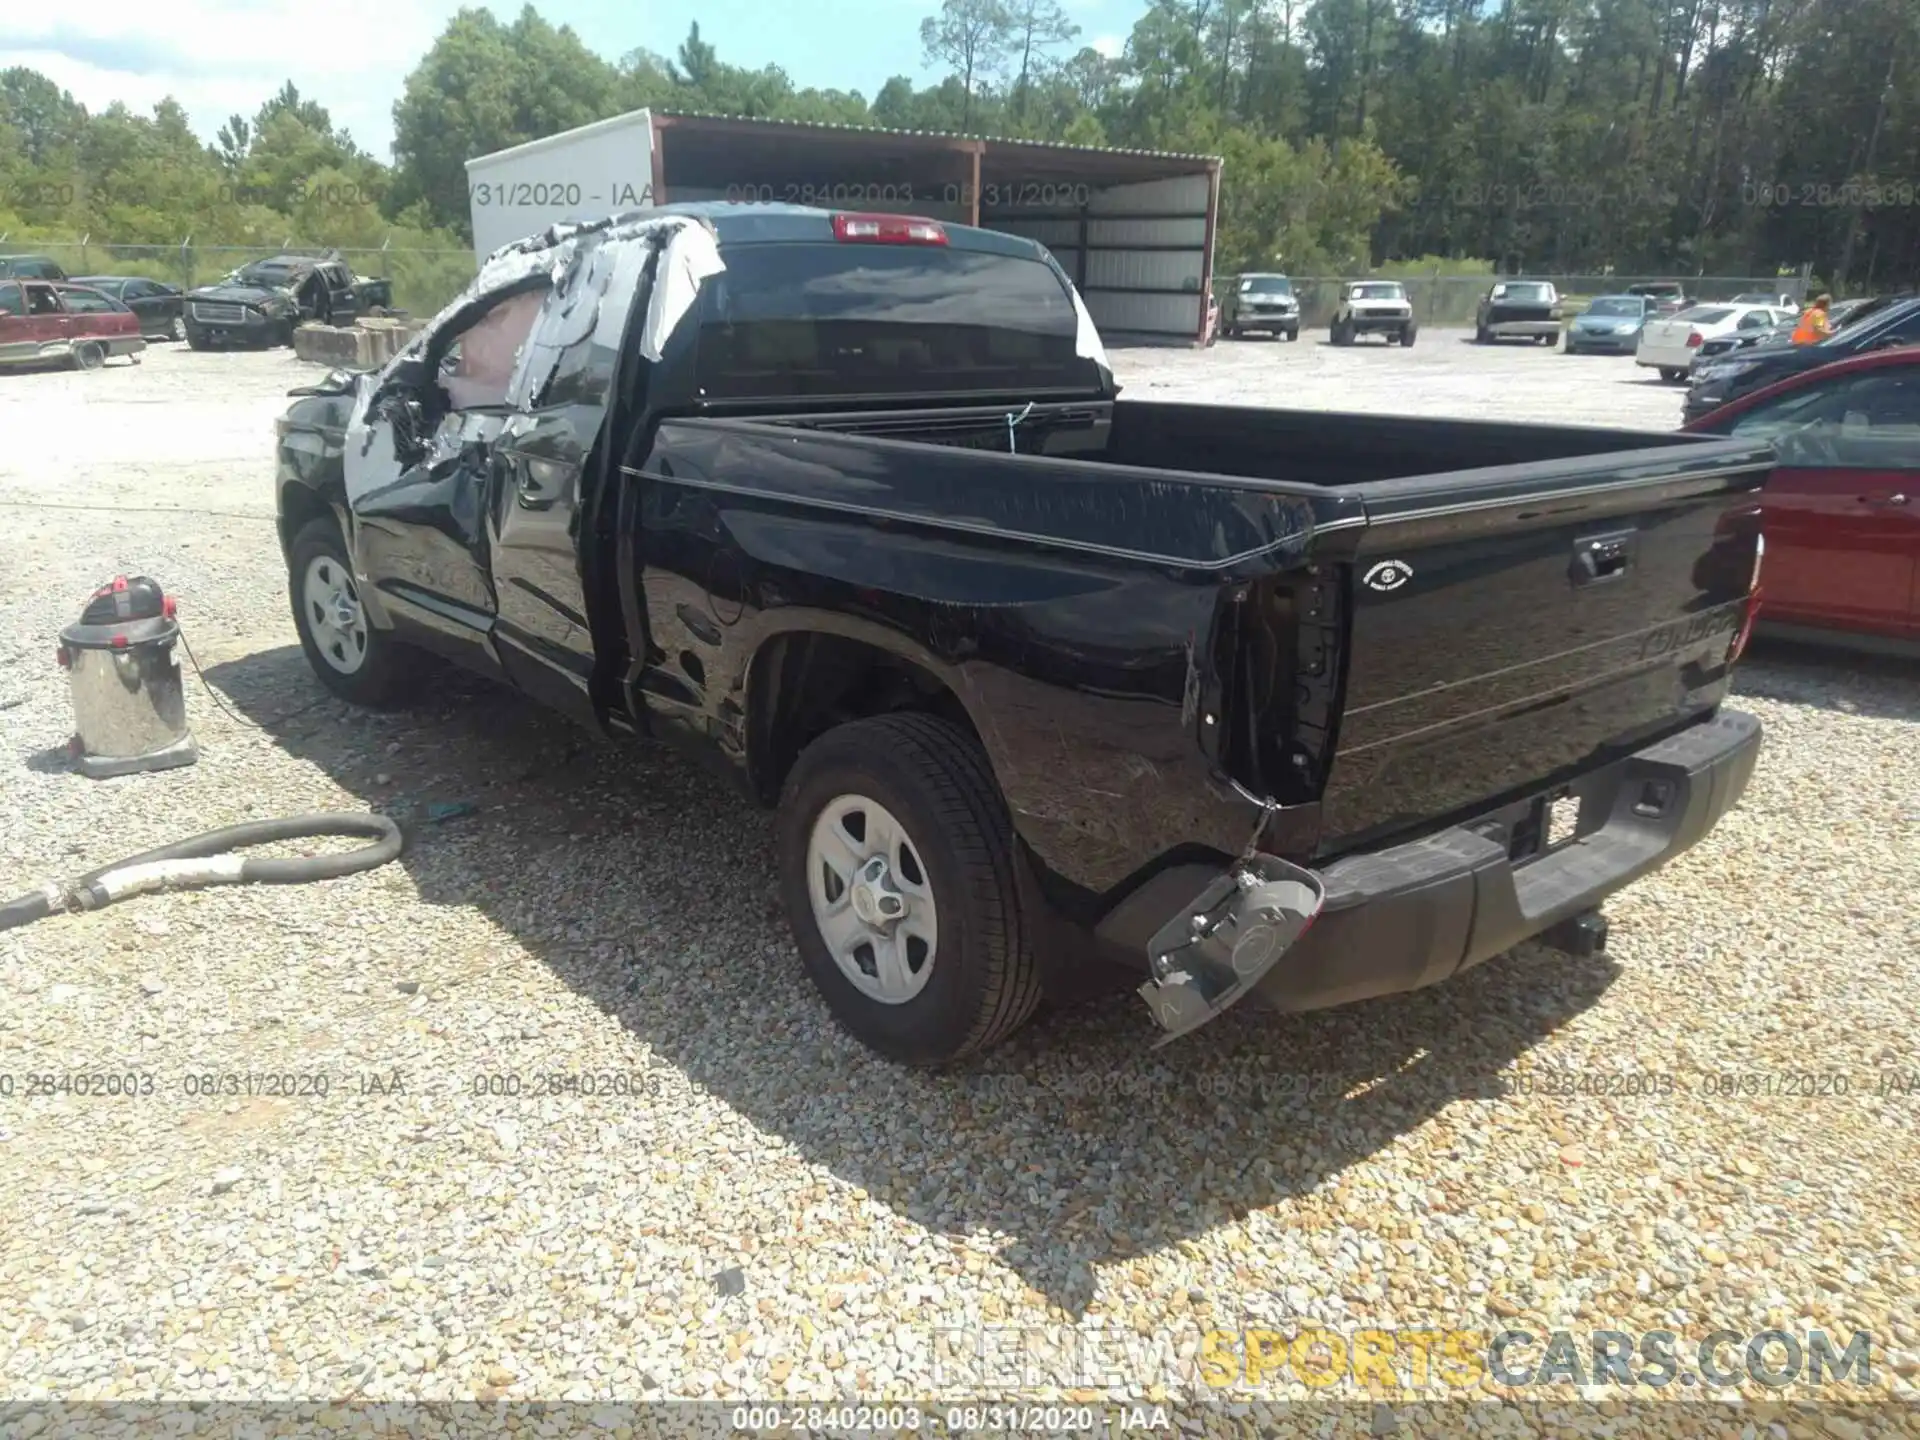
{"x":1693,"y":338}
{"x":1739,"y":646}
{"x":888,"y":230}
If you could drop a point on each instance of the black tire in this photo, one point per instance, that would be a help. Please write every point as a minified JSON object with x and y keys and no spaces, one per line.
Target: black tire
{"x":176,"y":330}
{"x":1340,"y":334}
{"x":934,"y":778}
{"x":1293,"y":333}
{"x":88,"y":355}
{"x":1671,"y":375}
{"x":384,"y":676}
{"x":1407,"y":332}
{"x":1544,"y":340}
{"x":197,"y":339}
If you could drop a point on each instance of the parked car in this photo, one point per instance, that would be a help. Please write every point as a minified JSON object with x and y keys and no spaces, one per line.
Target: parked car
{"x":1374,"y":307}
{"x":1262,"y":303}
{"x":261,"y":303}
{"x":1669,"y":343}
{"x":1889,"y":326}
{"x":1610,"y":325}
{"x":157,"y":303}
{"x":42,"y":323}
{"x":1669,"y":297}
{"x":1518,"y":310}
{"x":1839,"y":314}
{"x":1841,"y":511}
{"x":31,"y":267}
{"x":1155,"y":687}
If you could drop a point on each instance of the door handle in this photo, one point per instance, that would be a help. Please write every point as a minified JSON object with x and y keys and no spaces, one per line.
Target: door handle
{"x":1602,"y":557}
{"x":1883,"y":501}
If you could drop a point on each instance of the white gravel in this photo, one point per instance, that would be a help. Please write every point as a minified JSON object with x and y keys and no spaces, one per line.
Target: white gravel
{"x":773,"y":1213}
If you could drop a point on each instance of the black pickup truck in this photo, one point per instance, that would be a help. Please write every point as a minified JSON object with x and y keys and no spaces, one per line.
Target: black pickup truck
{"x":1039,"y":680}
{"x":262,"y":303}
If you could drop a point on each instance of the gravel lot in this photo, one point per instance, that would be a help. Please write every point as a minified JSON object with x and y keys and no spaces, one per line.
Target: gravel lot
{"x":776,"y":1214}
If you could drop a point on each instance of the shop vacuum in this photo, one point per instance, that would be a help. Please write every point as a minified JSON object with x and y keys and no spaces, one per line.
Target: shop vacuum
{"x":130,"y":715}
{"x":129,"y":698}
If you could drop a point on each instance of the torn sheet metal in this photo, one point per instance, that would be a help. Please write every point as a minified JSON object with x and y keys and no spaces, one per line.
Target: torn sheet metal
{"x":692,"y":254}
{"x":1086,"y":341}
{"x":596,"y":269}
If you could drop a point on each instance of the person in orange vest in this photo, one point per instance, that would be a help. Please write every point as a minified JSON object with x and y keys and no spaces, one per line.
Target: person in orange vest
{"x":1814,"y":325}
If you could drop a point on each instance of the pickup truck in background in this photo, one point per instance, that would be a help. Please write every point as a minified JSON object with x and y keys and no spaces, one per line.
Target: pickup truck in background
{"x":261,"y":303}
{"x":1038,"y":680}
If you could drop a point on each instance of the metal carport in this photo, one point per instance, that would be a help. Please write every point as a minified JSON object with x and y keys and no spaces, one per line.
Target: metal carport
{"x":1134,"y":228}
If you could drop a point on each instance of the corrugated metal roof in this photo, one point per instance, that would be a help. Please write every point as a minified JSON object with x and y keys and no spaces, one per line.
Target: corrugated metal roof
{"x":944,"y":135}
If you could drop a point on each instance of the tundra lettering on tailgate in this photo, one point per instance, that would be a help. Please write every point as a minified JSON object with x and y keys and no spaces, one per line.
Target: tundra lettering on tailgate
{"x":1678,"y":634}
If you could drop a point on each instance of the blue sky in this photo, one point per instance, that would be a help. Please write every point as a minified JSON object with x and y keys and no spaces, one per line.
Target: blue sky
{"x":221,"y":56}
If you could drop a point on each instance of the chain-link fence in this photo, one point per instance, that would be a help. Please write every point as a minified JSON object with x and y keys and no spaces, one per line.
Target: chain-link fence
{"x":1452,"y":300}
{"x":423,"y":280}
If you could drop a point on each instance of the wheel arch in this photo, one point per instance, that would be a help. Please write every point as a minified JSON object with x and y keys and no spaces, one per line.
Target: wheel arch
{"x":817,"y":672}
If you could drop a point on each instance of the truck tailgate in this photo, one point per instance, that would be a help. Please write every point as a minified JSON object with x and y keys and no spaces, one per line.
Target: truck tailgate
{"x":1512,"y":626}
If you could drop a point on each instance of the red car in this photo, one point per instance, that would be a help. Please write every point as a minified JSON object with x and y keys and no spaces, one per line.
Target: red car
{"x":41,"y":322}
{"x":1841,"y":513}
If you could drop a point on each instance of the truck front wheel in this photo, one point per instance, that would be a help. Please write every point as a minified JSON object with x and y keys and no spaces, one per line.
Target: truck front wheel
{"x":352,"y":657}
{"x":897,"y":873}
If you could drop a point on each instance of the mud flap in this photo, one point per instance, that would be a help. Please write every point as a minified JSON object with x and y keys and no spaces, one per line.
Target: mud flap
{"x":1218,"y":948}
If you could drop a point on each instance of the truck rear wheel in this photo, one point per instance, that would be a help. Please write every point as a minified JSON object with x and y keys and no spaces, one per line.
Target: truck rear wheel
{"x":897,"y":873}
{"x":351,"y":656}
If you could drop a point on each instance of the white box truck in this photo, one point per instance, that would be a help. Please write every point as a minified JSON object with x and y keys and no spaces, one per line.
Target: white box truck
{"x":598,"y":169}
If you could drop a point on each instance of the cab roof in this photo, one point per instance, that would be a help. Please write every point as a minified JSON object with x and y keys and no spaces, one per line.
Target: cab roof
{"x":737,"y":224}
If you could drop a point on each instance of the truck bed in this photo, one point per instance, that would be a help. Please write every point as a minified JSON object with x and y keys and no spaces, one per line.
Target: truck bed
{"x":1383,"y":624}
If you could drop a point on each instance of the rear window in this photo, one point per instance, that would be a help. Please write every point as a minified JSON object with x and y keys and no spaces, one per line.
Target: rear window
{"x":845,"y":320}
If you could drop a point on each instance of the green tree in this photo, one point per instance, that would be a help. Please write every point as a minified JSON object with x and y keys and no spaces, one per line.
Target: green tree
{"x":975,"y":38}
{"x":484,"y":86}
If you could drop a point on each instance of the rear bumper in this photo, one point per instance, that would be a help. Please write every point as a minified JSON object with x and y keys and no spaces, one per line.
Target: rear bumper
{"x":1407,"y":917}
{"x":1530,"y":329}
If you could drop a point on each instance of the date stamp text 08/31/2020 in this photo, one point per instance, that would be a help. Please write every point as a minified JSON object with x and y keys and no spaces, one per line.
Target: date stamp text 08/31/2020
{"x":614,"y":197}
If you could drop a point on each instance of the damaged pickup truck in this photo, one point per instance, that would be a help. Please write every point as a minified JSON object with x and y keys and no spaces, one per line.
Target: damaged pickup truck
{"x":1299,"y":707}
{"x":261,"y":304}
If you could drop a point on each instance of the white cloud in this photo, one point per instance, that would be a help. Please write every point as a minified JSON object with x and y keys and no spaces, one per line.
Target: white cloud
{"x":221,"y":57}
{"x":1110,"y":45}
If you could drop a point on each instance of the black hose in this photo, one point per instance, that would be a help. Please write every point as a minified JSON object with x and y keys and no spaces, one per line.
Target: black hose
{"x":171,"y":867}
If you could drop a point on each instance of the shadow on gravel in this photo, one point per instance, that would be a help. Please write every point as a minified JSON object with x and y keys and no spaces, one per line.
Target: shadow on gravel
{"x":1076,"y":1142}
